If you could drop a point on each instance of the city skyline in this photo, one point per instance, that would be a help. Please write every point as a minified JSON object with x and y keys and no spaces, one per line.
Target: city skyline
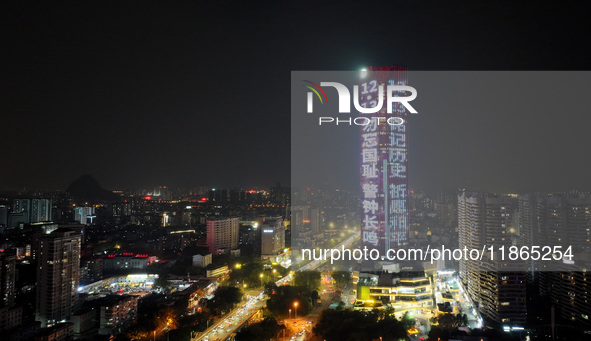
{"x":193,"y":171}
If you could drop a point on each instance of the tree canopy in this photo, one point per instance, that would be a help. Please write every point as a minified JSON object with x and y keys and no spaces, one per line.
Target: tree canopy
{"x":341,"y":278}
{"x":350,"y":325}
{"x":286,"y":297}
{"x":307,"y":279}
{"x":261,"y":331}
{"x":224,"y":299}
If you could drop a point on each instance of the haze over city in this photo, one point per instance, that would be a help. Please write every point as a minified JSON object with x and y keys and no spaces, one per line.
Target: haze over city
{"x":164,"y":176}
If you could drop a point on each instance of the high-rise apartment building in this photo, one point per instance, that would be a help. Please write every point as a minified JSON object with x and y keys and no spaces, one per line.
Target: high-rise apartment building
{"x":272,"y":236}
{"x":7,"y":278}
{"x":10,"y":315}
{"x":222,"y":234}
{"x":569,"y":289}
{"x":560,"y":219}
{"x":31,"y":210}
{"x":40,"y":210}
{"x":84,"y":215}
{"x":116,"y":313}
{"x":3,"y":217}
{"x":58,"y":273}
{"x":498,"y":290}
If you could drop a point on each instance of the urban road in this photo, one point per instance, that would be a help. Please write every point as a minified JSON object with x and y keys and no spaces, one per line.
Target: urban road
{"x":232,"y":321}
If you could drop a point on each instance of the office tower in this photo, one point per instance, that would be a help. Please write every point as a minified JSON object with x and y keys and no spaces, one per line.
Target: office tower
{"x":272,"y":236}
{"x":7,"y":278}
{"x":58,"y":273}
{"x":384,"y":166}
{"x":497,"y":289}
{"x":222,"y":234}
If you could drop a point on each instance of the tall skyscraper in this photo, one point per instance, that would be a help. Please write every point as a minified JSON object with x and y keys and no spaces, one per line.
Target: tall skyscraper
{"x":222,"y":234}
{"x":58,"y":276}
{"x":384,"y":165}
{"x":497,"y":290}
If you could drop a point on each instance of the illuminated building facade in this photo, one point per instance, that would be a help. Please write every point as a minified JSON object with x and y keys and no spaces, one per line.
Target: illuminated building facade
{"x":384,"y":163}
{"x":117,"y":312}
{"x":560,"y":219}
{"x":272,"y":236}
{"x":58,"y":275}
{"x":401,"y":290}
{"x":84,"y":215}
{"x":497,"y":290}
{"x":222,"y":234}
{"x":31,"y":210}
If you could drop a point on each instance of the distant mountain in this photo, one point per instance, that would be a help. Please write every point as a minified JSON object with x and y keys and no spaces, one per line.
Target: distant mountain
{"x":87,"y":189}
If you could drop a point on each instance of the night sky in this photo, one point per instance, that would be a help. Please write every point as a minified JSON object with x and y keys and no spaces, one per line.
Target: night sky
{"x":198,"y":93}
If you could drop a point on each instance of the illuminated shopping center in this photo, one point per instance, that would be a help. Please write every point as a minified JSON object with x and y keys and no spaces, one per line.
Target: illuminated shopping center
{"x":402,"y":290}
{"x":139,"y":282}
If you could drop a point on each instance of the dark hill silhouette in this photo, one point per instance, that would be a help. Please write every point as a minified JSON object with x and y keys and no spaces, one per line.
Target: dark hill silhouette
{"x":87,"y":189}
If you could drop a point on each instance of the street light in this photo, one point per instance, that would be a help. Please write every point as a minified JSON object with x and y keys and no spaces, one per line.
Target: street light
{"x":289,"y":315}
{"x":261,"y":276}
{"x":295,"y":304}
